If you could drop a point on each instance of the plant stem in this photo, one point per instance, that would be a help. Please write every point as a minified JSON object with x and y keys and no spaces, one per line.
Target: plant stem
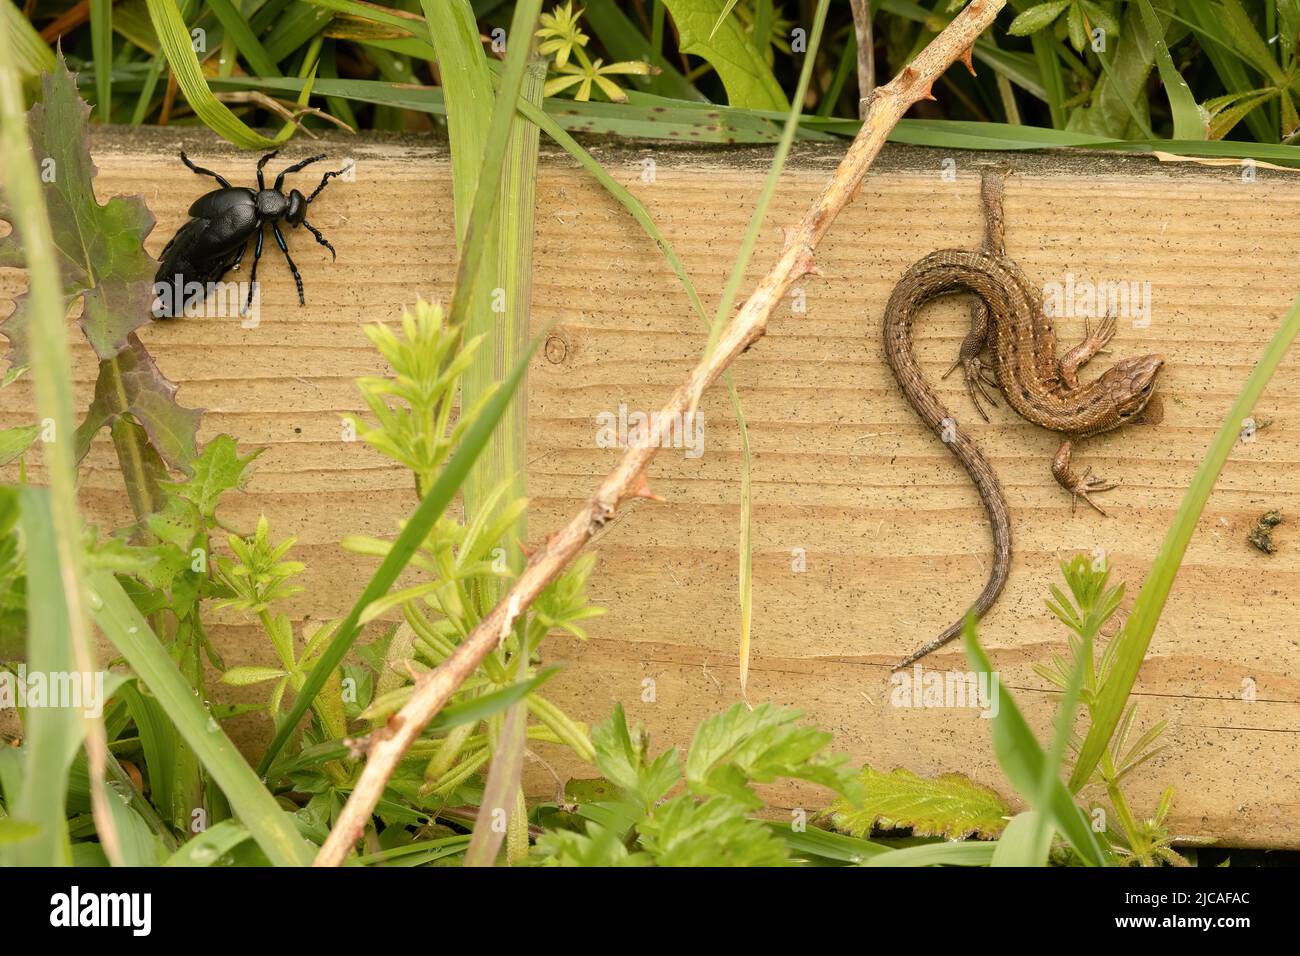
{"x":628,"y":479}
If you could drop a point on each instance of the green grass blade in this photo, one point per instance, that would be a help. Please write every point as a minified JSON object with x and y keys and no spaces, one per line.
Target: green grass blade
{"x":238,"y":30}
{"x":467,"y":82}
{"x":414,"y":532}
{"x":938,"y":854}
{"x":769,"y":188}
{"x":101,"y":45}
{"x":1026,"y":841}
{"x":130,"y":633}
{"x":825,"y":844}
{"x":52,"y":734}
{"x":478,"y":229}
{"x":1135,"y":638}
{"x":642,"y":217}
{"x":174,"y":36}
{"x":52,"y":371}
{"x":1023,"y":761}
{"x":32,"y":55}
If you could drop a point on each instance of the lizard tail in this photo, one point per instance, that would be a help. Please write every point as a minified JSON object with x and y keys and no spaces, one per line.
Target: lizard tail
{"x":932,"y":276}
{"x":995,"y":504}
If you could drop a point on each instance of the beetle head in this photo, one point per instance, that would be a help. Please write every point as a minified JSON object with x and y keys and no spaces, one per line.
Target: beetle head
{"x":297,"y":207}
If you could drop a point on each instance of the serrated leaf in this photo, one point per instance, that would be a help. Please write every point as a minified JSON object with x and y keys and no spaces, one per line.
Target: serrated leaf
{"x":597,"y":847}
{"x":621,"y":757}
{"x":951,"y":806}
{"x":130,"y":383}
{"x":99,"y":248}
{"x":716,"y":832}
{"x":748,"y":79}
{"x":761,"y":744}
{"x":217,"y":469}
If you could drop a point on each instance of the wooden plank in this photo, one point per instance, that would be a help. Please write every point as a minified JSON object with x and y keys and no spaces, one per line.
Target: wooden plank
{"x":895,"y":541}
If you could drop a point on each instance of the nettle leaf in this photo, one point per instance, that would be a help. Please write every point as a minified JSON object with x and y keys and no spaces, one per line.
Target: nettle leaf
{"x":218,"y":469}
{"x":951,"y":806}
{"x":131,"y":383}
{"x":99,"y":248}
{"x":743,"y":745}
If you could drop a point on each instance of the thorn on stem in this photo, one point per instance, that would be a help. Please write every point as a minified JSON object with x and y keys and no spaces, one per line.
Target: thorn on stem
{"x":966,"y":59}
{"x":642,"y":490}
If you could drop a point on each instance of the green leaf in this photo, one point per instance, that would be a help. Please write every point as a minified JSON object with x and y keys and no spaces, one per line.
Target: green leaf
{"x":1025,"y":842}
{"x":938,"y":854}
{"x":14,"y":442}
{"x":1074,"y":25}
{"x":822,"y":844}
{"x":1189,"y":118}
{"x":51,"y":735}
{"x":748,"y":79}
{"x":174,"y":37}
{"x":208,"y":847}
{"x":16,"y":831}
{"x":413,"y":534}
{"x":32,"y":55}
{"x":742,"y":745}
{"x":216,"y":470}
{"x":99,"y":248}
{"x":1022,"y":759}
{"x":621,"y":755}
{"x":598,"y":846}
{"x":248,"y":675}
{"x":130,"y":383}
{"x":130,"y":633}
{"x":716,"y":832}
{"x":1037,"y":18}
{"x":950,"y":805}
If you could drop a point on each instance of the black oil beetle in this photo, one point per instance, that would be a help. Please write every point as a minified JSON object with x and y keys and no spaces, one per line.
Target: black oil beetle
{"x":214,"y":240}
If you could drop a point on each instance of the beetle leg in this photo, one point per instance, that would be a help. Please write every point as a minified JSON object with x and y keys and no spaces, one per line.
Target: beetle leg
{"x":261,"y":182}
{"x":336,"y":172}
{"x":319,"y":238}
{"x":279,"y":180}
{"x":275,"y":228}
{"x":239,"y":257}
{"x":203,"y":172}
{"x":252,"y":278}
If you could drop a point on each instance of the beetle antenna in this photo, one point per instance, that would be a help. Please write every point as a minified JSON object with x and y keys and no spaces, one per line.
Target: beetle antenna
{"x":337,"y":172}
{"x":319,"y":238}
{"x":203,"y":172}
{"x":301,"y":164}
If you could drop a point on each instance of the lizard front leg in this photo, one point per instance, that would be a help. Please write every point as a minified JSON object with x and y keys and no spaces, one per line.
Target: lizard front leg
{"x":1079,"y":486}
{"x":1094,"y":340}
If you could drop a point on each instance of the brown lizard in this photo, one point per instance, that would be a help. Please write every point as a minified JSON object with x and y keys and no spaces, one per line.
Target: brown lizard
{"x":1008,"y":321}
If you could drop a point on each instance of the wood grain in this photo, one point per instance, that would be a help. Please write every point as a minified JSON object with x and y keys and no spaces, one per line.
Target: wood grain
{"x":894,"y":539}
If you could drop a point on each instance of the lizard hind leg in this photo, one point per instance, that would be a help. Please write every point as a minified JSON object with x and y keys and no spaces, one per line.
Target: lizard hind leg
{"x":1079,"y":486}
{"x":973,"y":368}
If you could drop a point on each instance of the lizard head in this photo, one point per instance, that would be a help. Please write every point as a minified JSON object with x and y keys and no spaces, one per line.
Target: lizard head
{"x":1129,"y":385}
